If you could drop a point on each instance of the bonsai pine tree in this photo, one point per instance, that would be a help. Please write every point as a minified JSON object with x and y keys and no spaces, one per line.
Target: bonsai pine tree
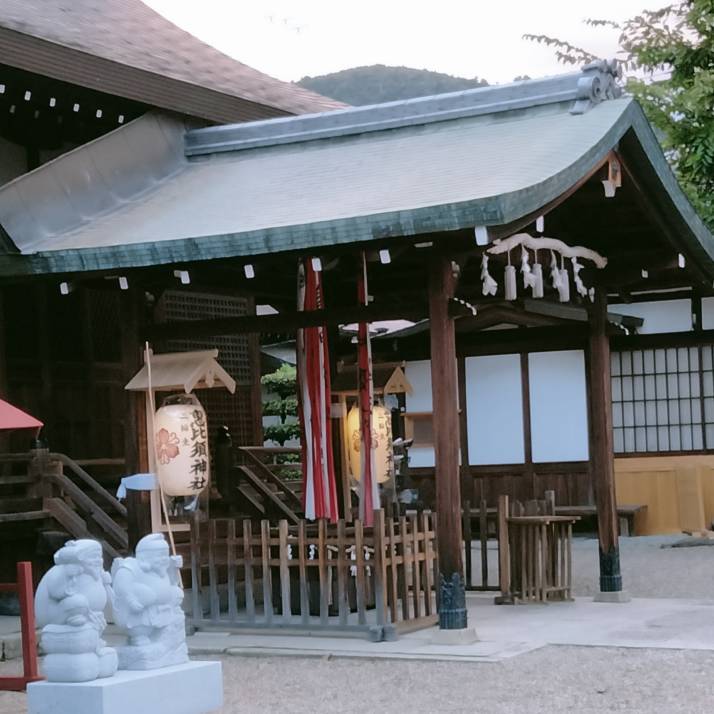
{"x":282,"y":384}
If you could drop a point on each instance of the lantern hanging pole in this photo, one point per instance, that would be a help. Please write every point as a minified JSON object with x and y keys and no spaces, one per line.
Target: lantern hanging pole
{"x":151,"y":445}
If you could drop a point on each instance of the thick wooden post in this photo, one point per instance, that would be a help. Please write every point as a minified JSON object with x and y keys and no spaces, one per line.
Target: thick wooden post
{"x":602,"y":462}
{"x":444,"y":389}
{"x":138,"y":516}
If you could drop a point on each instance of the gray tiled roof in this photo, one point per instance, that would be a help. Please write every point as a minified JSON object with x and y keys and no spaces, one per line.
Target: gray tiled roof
{"x":130,"y":33}
{"x":481,"y":157}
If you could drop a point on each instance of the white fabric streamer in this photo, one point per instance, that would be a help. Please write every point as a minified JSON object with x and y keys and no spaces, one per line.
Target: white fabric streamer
{"x":490,"y":286}
{"x":529,"y":279}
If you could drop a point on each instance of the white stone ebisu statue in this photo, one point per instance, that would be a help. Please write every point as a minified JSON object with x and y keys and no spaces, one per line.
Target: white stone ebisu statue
{"x":69,"y":606}
{"x":147,"y":598}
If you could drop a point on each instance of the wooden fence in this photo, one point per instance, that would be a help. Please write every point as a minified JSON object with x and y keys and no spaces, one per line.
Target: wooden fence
{"x":535,"y":557}
{"x":377,"y":581}
{"x":483,"y":577}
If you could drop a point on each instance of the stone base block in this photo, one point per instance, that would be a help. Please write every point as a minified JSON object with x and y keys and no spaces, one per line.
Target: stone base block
{"x":192,"y":688}
{"x":463,"y":636}
{"x":618,"y":596}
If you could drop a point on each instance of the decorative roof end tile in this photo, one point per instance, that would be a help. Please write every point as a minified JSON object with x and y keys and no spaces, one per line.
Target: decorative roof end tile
{"x":599,"y":81}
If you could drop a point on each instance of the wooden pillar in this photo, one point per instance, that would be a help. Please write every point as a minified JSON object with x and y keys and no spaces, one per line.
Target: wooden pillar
{"x":138,"y":516}
{"x":131,"y":307}
{"x":444,"y":389}
{"x":602,"y":463}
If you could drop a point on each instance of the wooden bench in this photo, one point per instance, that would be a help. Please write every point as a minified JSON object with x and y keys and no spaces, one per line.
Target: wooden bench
{"x":626,"y":515}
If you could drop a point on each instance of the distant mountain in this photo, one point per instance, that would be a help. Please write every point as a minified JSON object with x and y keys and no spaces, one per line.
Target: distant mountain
{"x":379,"y":83}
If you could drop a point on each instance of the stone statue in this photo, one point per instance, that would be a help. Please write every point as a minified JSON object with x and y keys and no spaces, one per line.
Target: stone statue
{"x":69,"y":606}
{"x":147,"y":597}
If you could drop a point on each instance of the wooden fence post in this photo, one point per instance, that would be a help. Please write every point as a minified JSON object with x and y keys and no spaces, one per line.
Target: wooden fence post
{"x":504,"y":552}
{"x":380,"y":572}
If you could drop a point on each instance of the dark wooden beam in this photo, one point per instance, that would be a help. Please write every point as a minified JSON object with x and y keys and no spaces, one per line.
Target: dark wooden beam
{"x":286,"y":321}
{"x":602,"y":462}
{"x":444,"y":390}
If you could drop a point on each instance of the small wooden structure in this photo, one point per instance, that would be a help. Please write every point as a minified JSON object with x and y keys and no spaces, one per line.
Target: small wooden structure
{"x":534,"y":551}
{"x":376,"y":581}
{"x":175,"y":372}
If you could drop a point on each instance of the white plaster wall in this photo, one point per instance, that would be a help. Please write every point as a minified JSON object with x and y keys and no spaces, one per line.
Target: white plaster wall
{"x":559,"y":423}
{"x":708,"y":313}
{"x":419,"y":376}
{"x":494,"y":409}
{"x":660,"y":316}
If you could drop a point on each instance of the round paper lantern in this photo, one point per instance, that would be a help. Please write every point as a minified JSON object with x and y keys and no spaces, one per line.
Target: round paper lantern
{"x":381,"y":443}
{"x":181,"y":441}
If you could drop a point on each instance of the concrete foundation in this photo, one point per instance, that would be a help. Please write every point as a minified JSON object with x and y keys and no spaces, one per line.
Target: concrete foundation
{"x":192,"y":688}
{"x":619,"y":596}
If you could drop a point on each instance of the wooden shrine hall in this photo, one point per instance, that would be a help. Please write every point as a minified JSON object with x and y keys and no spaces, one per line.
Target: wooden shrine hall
{"x":532,"y":205}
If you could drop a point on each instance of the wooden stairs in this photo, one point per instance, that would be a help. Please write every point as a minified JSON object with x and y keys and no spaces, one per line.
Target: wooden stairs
{"x":254,"y":487}
{"x":42,"y":491}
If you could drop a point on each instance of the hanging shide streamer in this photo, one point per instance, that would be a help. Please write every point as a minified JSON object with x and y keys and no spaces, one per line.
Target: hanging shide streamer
{"x":554,"y":272}
{"x":529,"y":278}
{"x":490,"y":286}
{"x":368,"y":490}
{"x":314,"y":395}
{"x":533,"y":274}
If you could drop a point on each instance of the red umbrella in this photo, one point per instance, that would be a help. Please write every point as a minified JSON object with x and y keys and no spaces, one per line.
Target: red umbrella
{"x":314,"y":397}
{"x":13,"y":418}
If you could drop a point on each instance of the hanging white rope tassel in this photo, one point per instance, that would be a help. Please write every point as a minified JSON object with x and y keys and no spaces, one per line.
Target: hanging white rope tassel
{"x":490,"y":286}
{"x":564,"y":289}
{"x":509,"y":280}
{"x":538,"y":277}
{"x":579,"y":285}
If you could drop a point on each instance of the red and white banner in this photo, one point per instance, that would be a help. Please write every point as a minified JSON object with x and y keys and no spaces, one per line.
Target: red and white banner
{"x":368,"y":489}
{"x":314,"y":396}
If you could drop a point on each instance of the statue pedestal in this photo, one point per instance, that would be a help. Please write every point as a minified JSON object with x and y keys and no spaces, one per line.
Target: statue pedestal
{"x":191,"y":688}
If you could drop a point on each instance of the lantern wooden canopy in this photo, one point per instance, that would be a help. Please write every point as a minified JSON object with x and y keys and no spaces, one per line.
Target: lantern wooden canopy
{"x":182,"y":371}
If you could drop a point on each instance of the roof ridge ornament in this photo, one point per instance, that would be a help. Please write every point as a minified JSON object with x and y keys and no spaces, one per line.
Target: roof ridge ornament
{"x":599,"y":81}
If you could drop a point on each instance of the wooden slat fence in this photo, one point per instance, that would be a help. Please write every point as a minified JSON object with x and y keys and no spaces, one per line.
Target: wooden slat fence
{"x":476,"y":522}
{"x":343,"y":577}
{"x":535,"y":551}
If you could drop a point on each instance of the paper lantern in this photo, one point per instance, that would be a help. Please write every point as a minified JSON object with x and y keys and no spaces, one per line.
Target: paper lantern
{"x":181,"y":441}
{"x":381,"y":442}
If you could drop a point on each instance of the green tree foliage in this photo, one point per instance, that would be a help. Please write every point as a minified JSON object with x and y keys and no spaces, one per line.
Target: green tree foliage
{"x":379,"y":83}
{"x":283,"y":384}
{"x":669,"y":57}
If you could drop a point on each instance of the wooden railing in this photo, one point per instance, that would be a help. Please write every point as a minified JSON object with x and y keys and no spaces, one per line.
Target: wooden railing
{"x":73,"y":507}
{"x":535,"y":551}
{"x":371,"y":581}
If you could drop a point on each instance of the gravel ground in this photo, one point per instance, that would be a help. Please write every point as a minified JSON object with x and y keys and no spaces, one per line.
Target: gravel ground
{"x":648,"y":569}
{"x":549,"y":680}
{"x":552,"y":680}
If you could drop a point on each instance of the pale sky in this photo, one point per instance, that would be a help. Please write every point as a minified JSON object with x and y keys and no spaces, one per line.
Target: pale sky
{"x":292,"y":38}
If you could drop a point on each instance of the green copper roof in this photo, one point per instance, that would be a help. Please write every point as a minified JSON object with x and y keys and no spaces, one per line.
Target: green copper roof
{"x":134,"y":198}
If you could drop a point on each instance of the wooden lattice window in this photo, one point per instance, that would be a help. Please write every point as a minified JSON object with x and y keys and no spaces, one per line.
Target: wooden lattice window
{"x":238,"y":354}
{"x":662,"y":400}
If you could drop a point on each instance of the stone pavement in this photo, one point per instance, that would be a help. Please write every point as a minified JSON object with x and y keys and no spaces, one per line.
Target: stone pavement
{"x":503,"y":631}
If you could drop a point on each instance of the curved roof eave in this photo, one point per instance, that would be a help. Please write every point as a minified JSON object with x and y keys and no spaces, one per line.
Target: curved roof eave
{"x":495,"y":210}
